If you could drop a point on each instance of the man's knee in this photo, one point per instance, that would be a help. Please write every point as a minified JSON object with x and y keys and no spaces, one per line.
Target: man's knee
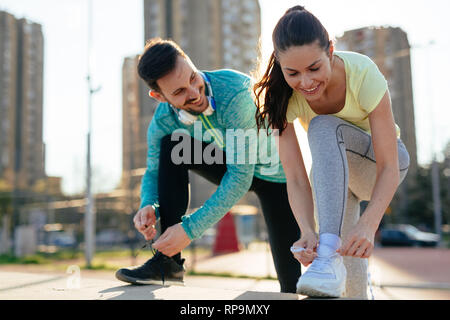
{"x":167,"y":143}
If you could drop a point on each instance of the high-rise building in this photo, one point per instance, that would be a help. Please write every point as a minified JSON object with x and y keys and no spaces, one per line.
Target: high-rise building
{"x":21,"y":101}
{"x":389,"y":48}
{"x":215,"y":34}
{"x":8,"y":96}
{"x":137,"y":112}
{"x":30,"y":159}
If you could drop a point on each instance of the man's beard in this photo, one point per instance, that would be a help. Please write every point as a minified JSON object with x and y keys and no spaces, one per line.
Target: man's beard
{"x":193,"y":112}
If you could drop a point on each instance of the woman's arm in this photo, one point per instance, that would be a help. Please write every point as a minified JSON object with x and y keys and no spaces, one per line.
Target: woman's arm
{"x":384,"y":140}
{"x":298,"y":186}
{"x":359,"y":242}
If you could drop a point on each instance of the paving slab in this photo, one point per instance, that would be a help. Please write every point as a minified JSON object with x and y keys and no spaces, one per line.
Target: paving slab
{"x":396,"y":274}
{"x":34,"y":286}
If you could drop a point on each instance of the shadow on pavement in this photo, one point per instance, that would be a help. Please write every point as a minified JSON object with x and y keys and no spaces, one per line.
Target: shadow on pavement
{"x":132,"y":292}
{"x":158,"y":292}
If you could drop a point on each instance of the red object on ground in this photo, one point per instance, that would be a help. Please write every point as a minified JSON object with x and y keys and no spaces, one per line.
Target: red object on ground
{"x":226,"y":238}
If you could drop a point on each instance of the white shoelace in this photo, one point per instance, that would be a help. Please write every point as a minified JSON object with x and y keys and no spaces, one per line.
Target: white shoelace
{"x":320,"y":264}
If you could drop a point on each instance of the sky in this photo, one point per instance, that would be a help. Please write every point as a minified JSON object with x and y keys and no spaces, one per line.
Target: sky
{"x":118,"y":32}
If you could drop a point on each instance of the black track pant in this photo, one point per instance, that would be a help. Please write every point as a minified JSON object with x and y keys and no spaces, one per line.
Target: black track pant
{"x":173,"y":189}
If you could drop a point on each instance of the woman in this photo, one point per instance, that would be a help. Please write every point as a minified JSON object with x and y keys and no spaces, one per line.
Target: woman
{"x":342,"y":101}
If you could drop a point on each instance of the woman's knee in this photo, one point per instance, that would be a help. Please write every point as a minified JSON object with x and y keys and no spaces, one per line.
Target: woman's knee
{"x":322,"y":123}
{"x":321,"y":130}
{"x":403,"y":157}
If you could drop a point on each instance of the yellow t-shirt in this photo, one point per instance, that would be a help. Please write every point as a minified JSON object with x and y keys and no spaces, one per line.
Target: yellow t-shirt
{"x":365,"y":86}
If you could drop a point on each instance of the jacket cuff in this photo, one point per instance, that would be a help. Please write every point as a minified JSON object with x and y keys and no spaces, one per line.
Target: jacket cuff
{"x":187,"y":229}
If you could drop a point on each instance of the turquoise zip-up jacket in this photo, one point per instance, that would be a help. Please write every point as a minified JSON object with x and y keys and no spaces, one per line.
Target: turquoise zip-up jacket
{"x":233,"y":120}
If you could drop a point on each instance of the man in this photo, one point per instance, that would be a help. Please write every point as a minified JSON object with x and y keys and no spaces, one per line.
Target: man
{"x":195,"y":127}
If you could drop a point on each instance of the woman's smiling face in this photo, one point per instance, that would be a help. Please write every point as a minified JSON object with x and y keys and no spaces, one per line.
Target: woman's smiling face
{"x":307,"y":69}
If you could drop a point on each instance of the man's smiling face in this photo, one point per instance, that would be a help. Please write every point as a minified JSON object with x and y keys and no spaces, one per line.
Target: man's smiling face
{"x":183,"y":88}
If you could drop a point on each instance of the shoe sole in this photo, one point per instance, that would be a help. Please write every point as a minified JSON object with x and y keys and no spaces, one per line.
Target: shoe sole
{"x":169,"y":282}
{"x":309,"y":291}
{"x":313,"y":290}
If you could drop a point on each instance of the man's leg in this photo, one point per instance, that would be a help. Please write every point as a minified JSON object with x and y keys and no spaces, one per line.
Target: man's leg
{"x":173,"y":189}
{"x":174,"y":199}
{"x":173,"y":181}
{"x":283,"y":230}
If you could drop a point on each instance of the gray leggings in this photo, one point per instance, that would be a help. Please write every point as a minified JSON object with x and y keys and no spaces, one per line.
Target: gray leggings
{"x":343,"y":174}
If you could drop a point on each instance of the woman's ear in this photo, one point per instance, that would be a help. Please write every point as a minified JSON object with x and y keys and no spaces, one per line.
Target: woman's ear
{"x":331,"y":49}
{"x":156,"y":95}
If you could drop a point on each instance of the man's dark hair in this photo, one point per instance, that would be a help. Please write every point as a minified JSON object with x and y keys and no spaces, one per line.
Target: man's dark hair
{"x":158,"y":59}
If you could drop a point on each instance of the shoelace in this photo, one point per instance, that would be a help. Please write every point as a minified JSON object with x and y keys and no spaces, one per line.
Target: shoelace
{"x":319,"y":264}
{"x":149,"y":243}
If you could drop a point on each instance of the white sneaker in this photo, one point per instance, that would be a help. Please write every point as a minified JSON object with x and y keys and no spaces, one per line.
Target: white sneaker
{"x":325,"y":277}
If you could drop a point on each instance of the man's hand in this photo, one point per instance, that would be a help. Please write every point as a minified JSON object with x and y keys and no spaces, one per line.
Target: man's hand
{"x":144,"y":221}
{"x":172,"y":241}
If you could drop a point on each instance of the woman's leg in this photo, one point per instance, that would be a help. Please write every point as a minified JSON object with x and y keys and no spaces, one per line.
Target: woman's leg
{"x":362,"y":176}
{"x":332,"y":141}
{"x":344,"y":173}
{"x":356,"y":284}
{"x":282,"y":228}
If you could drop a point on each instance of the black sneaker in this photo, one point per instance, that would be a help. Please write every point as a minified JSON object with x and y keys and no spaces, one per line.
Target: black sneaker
{"x":160,"y":269}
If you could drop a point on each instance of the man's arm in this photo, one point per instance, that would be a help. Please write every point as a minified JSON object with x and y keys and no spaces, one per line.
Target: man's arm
{"x":239,"y":114}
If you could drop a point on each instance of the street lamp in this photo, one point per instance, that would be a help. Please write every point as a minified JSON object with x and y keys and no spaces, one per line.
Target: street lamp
{"x":89,"y":218}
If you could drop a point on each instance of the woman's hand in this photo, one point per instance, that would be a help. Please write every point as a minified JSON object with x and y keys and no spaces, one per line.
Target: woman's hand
{"x":304,"y":250}
{"x":359,"y":242}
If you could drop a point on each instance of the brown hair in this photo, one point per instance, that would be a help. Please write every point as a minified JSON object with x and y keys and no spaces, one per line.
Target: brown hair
{"x":296,"y":27}
{"x":158,"y":59}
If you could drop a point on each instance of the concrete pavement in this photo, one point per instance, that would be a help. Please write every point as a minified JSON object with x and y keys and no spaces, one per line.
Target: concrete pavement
{"x":32,"y":286}
{"x":397,"y":274}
